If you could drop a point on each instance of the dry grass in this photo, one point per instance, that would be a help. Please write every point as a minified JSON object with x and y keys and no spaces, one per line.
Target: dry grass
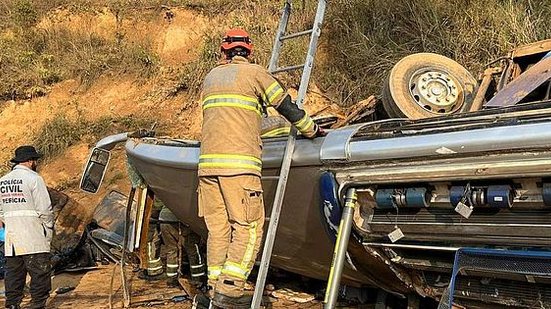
{"x":33,"y":58}
{"x":61,"y":132}
{"x":364,"y":38}
{"x":361,"y":40}
{"x":260,"y":19}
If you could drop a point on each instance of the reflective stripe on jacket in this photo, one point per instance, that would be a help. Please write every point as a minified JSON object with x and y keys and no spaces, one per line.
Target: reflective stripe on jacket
{"x":26,"y":210}
{"x":234,"y":96}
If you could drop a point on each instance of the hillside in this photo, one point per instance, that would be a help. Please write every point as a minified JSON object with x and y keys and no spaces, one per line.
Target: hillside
{"x":73,"y":72}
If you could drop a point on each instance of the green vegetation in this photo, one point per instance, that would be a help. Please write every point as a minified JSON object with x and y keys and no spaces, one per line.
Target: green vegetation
{"x":32,"y":58}
{"x":61,"y":132}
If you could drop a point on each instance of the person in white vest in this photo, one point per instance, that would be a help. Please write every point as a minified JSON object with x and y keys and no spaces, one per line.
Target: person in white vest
{"x":26,"y":210}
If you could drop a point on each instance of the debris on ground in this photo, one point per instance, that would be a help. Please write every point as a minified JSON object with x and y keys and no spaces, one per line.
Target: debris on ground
{"x":294,"y":296}
{"x":64,"y":289}
{"x":358,"y":112}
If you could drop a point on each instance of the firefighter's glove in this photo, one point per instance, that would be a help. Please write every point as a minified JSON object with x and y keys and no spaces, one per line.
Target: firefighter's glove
{"x":320,"y":132}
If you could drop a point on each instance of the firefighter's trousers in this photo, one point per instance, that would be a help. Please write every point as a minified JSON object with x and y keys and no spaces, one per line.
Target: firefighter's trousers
{"x":154,"y":265}
{"x":39,"y":268}
{"x":175,"y":235}
{"x":233,"y":209}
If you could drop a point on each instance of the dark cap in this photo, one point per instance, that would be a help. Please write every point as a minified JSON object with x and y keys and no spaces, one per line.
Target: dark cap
{"x":24,"y":154}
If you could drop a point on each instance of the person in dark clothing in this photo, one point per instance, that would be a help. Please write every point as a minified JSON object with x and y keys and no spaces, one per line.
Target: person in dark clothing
{"x":154,"y":270}
{"x":2,"y":255}
{"x":177,"y":236}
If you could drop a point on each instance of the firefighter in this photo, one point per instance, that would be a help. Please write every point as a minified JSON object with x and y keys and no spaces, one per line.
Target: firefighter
{"x":25,"y":208}
{"x":234,"y":97}
{"x":154,"y":266}
{"x":175,"y":235}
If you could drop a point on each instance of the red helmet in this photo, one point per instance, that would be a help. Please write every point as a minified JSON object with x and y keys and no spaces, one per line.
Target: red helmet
{"x":236,"y":38}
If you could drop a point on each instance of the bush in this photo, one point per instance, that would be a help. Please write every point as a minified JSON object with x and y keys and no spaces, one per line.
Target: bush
{"x":57,"y":135}
{"x":363,"y":39}
{"x":25,"y":14}
{"x":33,"y":58}
{"x":61,"y":132}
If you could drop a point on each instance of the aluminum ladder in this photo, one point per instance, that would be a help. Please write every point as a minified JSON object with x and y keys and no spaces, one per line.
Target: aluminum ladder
{"x":273,"y":68}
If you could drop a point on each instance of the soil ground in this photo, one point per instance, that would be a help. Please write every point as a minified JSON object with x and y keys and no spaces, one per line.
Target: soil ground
{"x":92,"y":289}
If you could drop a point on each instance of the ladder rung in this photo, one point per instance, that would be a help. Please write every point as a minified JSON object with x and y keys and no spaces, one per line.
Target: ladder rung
{"x":294,"y":35}
{"x":286,"y":69}
{"x":270,"y":177}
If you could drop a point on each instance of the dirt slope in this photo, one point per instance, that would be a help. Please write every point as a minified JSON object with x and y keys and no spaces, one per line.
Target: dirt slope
{"x":114,"y":96}
{"x":176,"y":41}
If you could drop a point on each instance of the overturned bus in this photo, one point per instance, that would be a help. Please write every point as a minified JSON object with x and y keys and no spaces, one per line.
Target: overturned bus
{"x":470,"y":177}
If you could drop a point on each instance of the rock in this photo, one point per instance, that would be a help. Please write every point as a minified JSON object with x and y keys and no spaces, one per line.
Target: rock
{"x":64,"y":289}
{"x":290,"y":295}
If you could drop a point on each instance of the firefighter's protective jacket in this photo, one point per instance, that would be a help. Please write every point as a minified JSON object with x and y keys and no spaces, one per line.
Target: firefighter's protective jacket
{"x":26,"y":210}
{"x":233,"y":100}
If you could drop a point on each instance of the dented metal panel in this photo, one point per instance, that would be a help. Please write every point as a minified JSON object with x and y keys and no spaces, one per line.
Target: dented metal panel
{"x":453,"y":143}
{"x":531,"y":49}
{"x":523,"y":85}
{"x":335,"y":145}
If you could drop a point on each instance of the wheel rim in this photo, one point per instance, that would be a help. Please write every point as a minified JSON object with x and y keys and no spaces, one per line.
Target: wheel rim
{"x":436,"y":91}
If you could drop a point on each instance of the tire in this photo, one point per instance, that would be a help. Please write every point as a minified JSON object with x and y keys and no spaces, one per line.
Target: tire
{"x":427,"y":85}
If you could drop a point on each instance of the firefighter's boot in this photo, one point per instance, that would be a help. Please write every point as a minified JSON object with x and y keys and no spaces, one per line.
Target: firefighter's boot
{"x":172,"y":282}
{"x":201,"y":301}
{"x":227,"y":302}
